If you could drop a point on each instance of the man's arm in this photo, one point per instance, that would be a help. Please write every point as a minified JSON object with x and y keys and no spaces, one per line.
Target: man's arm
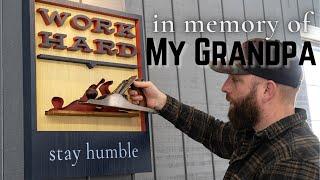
{"x":290,"y":169}
{"x":216,"y":135}
{"x":212,"y":133}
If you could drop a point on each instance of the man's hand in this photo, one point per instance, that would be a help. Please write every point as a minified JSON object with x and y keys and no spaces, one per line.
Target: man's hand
{"x":154,"y":98}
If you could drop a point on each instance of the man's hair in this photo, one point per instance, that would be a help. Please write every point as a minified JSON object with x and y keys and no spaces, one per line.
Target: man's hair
{"x":287,"y":93}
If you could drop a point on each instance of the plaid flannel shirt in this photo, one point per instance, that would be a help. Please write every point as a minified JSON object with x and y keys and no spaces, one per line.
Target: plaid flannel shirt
{"x":286,"y":149}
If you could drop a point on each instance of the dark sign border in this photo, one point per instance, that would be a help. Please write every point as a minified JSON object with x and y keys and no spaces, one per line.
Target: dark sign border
{"x":36,"y":144}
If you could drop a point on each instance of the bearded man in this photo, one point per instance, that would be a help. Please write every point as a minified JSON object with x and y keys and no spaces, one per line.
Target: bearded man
{"x":266,"y":137}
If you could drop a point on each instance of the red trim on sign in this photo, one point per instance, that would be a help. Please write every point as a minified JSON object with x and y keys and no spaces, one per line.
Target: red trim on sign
{"x":139,"y":54}
{"x":140,"y":72}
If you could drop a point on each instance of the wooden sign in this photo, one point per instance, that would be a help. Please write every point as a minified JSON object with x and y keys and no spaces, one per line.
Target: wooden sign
{"x":75,"y":49}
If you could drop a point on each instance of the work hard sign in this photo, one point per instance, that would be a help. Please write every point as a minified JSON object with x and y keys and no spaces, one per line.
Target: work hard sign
{"x":81,"y":122}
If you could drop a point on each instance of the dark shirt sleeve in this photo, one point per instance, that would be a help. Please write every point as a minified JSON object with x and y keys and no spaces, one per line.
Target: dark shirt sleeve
{"x":217,"y":136}
{"x":290,"y":169}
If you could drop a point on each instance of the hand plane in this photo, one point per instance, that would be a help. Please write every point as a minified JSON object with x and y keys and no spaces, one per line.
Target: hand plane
{"x":116,"y":99}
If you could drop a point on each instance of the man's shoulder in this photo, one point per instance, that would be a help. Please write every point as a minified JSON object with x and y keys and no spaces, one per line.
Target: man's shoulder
{"x":298,"y":143}
{"x":304,"y":143}
{"x":293,"y":153}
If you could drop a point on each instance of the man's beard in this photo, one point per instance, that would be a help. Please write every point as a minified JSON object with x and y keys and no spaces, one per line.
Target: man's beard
{"x":245,"y":113}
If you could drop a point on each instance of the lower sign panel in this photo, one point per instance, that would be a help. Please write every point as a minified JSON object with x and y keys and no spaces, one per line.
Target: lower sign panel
{"x":57,"y":154}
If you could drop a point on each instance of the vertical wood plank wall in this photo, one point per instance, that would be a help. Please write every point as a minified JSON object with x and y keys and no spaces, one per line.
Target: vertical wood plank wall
{"x":174,"y":155}
{"x":202,"y":83}
{"x":1,"y":97}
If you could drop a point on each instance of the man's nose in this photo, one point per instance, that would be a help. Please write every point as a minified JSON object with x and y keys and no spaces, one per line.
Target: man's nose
{"x":226,"y":86}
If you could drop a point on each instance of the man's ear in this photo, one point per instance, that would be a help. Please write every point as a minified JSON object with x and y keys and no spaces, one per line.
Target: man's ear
{"x":270,"y":89}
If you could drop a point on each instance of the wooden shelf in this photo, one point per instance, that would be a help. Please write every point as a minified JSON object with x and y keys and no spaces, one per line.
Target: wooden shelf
{"x":96,"y":114}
